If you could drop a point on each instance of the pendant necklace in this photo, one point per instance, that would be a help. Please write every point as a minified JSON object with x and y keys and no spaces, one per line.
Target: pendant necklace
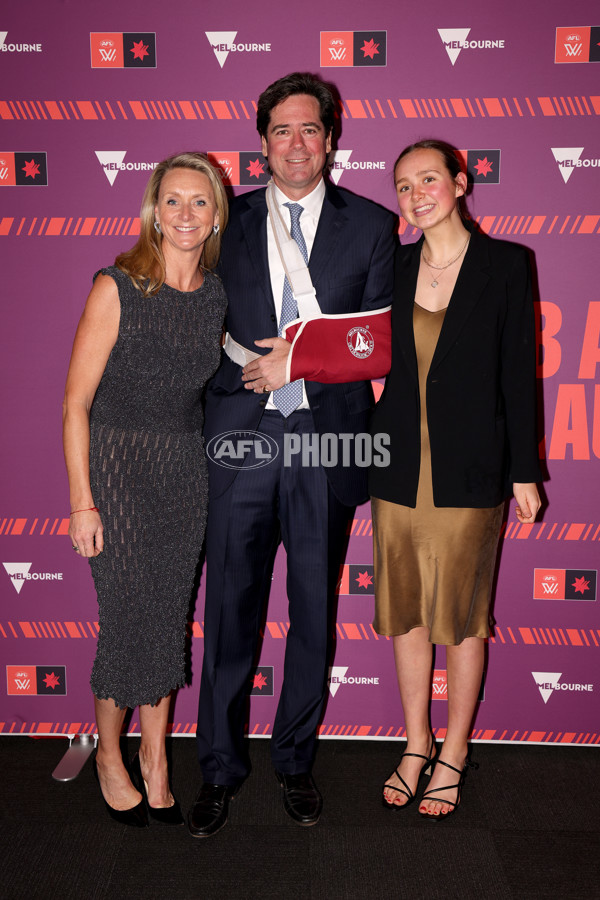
{"x":431,"y":265}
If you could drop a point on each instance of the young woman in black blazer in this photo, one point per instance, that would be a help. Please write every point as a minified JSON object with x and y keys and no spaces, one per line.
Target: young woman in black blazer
{"x":459,"y":407}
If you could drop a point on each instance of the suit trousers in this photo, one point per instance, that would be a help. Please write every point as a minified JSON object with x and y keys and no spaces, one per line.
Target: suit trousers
{"x":295,"y":504}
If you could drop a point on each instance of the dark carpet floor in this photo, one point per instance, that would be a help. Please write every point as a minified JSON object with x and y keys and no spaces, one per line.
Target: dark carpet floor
{"x":528,"y":827}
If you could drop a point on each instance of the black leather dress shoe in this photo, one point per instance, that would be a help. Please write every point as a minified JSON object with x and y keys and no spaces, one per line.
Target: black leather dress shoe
{"x":209,"y":812}
{"x":301,"y":799}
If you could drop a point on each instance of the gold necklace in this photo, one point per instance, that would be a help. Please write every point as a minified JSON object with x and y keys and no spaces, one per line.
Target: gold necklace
{"x":447,"y":265}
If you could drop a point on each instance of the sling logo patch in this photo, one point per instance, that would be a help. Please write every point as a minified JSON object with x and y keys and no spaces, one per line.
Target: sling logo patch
{"x":360,"y":342}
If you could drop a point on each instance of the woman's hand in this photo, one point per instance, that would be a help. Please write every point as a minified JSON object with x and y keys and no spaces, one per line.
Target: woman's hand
{"x":528,"y":502}
{"x":86,"y":532}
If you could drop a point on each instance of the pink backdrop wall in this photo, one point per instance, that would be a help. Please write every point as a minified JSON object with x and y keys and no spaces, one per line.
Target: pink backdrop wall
{"x":525,"y":108}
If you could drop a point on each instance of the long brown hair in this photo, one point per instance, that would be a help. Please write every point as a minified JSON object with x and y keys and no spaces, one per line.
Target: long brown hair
{"x":145,"y":262}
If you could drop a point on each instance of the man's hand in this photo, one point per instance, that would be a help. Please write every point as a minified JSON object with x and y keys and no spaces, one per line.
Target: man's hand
{"x":267,"y":373}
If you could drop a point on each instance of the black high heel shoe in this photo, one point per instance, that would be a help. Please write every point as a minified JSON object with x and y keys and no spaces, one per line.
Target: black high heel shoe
{"x":425,"y":769}
{"x":165,"y":815}
{"x":136,"y":816}
{"x":448,"y":787}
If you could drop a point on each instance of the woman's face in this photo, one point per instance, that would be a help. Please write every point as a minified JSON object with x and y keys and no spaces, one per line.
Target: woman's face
{"x":427,"y":192}
{"x":186,"y":209}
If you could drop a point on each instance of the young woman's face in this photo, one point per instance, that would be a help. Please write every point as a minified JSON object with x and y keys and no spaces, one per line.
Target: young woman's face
{"x":427,"y":192}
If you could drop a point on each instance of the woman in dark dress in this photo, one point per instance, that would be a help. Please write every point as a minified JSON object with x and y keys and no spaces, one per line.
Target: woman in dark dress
{"x":148,"y":340}
{"x":459,"y":407}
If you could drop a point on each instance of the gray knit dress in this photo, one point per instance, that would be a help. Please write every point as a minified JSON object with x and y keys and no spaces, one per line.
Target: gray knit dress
{"x":149,"y":481}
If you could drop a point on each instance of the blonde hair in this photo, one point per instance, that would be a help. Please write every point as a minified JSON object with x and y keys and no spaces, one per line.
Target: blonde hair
{"x":145,"y":262}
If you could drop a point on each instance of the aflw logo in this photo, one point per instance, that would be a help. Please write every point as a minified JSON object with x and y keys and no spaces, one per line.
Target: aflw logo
{"x":573,"y":49}
{"x":577,"y":45}
{"x":337,"y":53}
{"x":107,"y":55}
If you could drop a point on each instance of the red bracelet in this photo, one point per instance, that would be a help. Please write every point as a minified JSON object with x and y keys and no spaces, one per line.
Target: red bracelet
{"x":89,"y":509}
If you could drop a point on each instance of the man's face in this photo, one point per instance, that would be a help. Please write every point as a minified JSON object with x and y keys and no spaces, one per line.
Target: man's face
{"x":296,"y":145}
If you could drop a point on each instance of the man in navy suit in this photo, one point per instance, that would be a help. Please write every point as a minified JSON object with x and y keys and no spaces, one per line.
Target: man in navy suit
{"x":349,"y":244}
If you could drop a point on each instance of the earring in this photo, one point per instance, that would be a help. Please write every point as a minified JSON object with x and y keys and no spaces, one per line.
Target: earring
{"x":157,"y":227}
{"x":215,"y":229}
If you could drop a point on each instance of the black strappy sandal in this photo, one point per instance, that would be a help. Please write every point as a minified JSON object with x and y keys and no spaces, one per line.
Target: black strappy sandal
{"x":448,"y":787}
{"x":427,"y":765}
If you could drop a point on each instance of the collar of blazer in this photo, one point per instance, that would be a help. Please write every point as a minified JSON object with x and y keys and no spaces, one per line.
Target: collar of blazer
{"x":332,"y":221}
{"x":472,"y":279}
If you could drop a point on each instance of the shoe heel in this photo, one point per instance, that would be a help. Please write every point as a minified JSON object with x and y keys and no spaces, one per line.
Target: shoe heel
{"x":135,"y":817}
{"x":432,"y":758}
{"x":165,"y":815}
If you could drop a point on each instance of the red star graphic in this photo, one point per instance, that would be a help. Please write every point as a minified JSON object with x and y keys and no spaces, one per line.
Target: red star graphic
{"x":483,"y":167}
{"x":51,"y":680}
{"x":256,"y":168}
{"x":259,"y":681}
{"x":581,"y":585}
{"x":370,"y":48}
{"x":364,"y":580}
{"x":139,"y":50}
{"x":31,"y":169}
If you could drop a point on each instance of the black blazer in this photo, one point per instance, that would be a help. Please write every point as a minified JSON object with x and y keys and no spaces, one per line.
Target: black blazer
{"x":351,"y":266}
{"x":481,"y":388}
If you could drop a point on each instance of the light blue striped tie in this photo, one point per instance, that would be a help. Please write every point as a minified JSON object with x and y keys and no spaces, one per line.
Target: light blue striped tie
{"x":289,"y":397}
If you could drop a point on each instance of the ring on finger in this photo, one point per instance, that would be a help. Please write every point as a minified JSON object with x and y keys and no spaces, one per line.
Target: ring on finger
{"x":265,"y":389}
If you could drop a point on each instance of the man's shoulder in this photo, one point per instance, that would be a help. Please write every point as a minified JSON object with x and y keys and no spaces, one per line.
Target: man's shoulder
{"x":248,"y":200}
{"x":357,"y":204}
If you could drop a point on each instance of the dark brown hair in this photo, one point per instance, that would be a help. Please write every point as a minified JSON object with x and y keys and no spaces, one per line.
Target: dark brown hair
{"x":288,"y":86}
